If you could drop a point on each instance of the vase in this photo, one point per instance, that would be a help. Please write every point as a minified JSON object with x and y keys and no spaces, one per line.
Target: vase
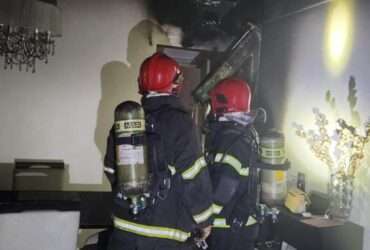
{"x":340,"y":195}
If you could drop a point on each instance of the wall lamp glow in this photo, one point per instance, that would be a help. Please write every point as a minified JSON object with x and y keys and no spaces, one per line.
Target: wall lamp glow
{"x":339,"y":35}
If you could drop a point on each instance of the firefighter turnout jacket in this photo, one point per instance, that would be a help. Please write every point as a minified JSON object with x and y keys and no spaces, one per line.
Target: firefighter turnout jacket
{"x":187,"y":204}
{"x":229,"y":150}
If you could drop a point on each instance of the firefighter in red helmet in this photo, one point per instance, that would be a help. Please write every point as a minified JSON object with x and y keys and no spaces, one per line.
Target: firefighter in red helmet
{"x":159,"y":74}
{"x":231,"y":148}
{"x":181,"y":190}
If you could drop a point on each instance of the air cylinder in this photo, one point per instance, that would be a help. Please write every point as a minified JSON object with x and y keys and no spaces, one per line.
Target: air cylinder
{"x":274,"y":180}
{"x":131,"y":149}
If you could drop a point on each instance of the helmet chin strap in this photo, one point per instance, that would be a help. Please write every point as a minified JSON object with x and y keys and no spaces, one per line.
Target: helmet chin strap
{"x":177,"y":83}
{"x":176,"y":89}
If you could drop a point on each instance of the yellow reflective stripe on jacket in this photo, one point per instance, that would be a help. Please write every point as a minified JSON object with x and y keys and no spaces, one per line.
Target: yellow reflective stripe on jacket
{"x":233,"y":162}
{"x":203,"y":216}
{"x":172,"y":169}
{"x":216,"y":208}
{"x":193,"y":170}
{"x":151,"y":231}
{"x":221,"y":222}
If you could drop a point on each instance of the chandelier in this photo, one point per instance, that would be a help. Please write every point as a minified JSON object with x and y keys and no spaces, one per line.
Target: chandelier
{"x":27,"y":31}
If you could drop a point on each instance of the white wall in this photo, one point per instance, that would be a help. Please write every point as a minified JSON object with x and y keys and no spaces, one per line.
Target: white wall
{"x":294,"y":80}
{"x":64,"y":110}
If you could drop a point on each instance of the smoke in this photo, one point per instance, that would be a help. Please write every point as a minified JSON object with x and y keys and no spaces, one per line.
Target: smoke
{"x":199,"y":23}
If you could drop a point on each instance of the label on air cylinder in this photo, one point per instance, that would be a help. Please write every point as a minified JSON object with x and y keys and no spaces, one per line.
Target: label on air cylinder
{"x":129,"y":155}
{"x":272,"y":153}
{"x":129,"y":126}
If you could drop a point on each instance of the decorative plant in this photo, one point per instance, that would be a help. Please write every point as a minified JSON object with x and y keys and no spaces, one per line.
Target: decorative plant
{"x":341,"y":149}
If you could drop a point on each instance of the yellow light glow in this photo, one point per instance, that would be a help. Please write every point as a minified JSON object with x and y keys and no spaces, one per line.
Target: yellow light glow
{"x":299,"y":153}
{"x":341,"y":150}
{"x":339,"y":35}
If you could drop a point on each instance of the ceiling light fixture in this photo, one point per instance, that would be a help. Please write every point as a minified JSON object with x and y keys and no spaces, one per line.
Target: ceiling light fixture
{"x":27,"y":32}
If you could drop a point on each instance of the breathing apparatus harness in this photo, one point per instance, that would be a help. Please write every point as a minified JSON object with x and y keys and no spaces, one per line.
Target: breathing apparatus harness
{"x":247,"y":193}
{"x":161,"y":175}
{"x":143,"y":174}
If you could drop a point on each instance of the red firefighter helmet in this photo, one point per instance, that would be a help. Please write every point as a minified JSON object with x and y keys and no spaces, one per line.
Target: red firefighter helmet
{"x":158,"y":73}
{"x":230,"y":95}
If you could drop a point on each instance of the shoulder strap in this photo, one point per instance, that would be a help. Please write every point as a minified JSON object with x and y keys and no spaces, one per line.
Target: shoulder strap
{"x":153,"y":130}
{"x":247,"y":202}
{"x":156,"y":145}
{"x":161,"y":182}
{"x":237,"y":136}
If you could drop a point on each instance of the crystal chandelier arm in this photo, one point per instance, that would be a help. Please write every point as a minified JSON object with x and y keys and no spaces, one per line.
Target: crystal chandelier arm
{"x":28,"y":34}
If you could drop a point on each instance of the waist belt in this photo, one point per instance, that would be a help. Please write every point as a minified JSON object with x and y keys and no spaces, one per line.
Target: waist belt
{"x":221,"y":222}
{"x":150,"y":231}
